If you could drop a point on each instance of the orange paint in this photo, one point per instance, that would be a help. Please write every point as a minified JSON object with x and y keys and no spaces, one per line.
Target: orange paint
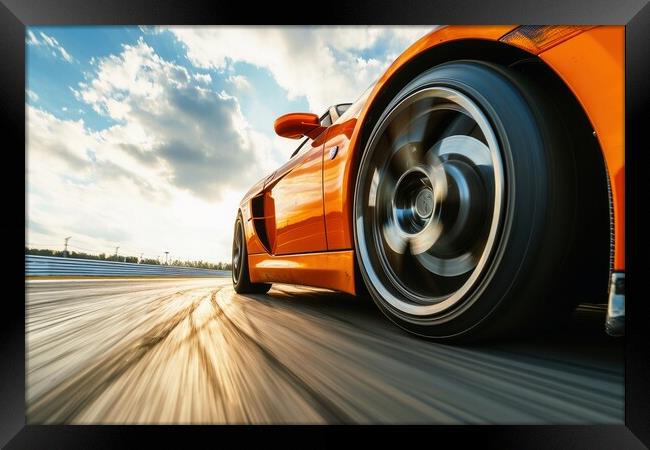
{"x":335,"y":197}
{"x":312,"y":194}
{"x":330,"y":270}
{"x":297,"y":195}
{"x":338,"y":203}
{"x":297,"y":125}
{"x":592,"y":64}
{"x":253,"y":244}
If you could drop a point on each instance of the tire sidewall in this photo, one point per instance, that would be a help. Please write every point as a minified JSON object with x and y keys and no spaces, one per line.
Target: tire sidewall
{"x":524,"y":222}
{"x":238,"y":224}
{"x":234,"y":237}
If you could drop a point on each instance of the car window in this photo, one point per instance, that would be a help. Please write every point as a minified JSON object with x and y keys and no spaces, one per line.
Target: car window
{"x":326,"y":120}
{"x":355,"y":108}
{"x":340,"y":109}
{"x":303,"y":145}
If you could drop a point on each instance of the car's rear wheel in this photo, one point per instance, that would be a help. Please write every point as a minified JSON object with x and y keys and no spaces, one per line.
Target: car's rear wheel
{"x":464,"y":203}
{"x":240,"y":275}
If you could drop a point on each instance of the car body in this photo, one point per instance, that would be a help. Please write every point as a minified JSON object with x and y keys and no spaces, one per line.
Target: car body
{"x":298,"y":221}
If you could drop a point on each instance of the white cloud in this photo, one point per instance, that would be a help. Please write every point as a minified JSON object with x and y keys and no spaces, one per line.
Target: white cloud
{"x":31,"y":38}
{"x":33,"y":96}
{"x":165,"y":175}
{"x":324,"y":64}
{"x":89,"y":185}
{"x":197,"y":136}
{"x":170,"y":173}
{"x":204,"y":78}
{"x":49,"y":42}
{"x":240,"y":82}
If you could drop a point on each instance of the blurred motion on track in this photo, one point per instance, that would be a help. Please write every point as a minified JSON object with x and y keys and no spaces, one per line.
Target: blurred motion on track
{"x":135,"y":351}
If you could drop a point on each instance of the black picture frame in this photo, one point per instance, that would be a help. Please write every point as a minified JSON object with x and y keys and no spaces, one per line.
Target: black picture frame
{"x":16,"y":14}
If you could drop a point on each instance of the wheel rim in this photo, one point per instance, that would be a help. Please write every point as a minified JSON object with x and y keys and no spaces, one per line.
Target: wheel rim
{"x":237,"y":253}
{"x":429,"y":203}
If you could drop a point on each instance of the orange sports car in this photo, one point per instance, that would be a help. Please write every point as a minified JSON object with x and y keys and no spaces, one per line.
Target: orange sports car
{"x":475,"y":189}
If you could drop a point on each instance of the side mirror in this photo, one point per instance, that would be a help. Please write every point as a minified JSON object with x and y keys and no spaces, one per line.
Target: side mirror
{"x":297,"y":125}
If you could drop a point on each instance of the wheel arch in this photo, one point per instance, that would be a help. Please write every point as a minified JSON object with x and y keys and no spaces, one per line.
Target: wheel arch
{"x":593,"y":174}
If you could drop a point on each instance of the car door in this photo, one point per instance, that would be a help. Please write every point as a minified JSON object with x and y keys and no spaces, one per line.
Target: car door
{"x":293,"y":203}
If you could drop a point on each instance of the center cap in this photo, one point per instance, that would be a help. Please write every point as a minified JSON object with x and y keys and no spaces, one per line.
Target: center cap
{"x":424,"y":203}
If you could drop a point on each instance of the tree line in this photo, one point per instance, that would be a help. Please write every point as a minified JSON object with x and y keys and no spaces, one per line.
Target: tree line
{"x":129,"y":259}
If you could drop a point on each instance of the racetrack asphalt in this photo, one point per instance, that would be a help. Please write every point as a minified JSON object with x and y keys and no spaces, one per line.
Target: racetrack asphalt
{"x":143,"y":351}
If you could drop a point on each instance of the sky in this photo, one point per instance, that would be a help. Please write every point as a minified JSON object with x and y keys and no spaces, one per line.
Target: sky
{"x":147,"y":138}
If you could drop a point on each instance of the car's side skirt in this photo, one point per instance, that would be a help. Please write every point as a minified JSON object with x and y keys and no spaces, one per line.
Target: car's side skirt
{"x":330,"y":270}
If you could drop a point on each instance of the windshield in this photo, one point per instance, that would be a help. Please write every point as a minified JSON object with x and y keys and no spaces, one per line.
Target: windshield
{"x":355,"y":108}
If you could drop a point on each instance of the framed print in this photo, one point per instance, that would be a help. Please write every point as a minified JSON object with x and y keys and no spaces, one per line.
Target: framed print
{"x":241,"y":223}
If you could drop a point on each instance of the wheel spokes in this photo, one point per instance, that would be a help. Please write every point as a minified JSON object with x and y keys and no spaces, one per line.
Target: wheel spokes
{"x":431,"y":194}
{"x":237,"y":251}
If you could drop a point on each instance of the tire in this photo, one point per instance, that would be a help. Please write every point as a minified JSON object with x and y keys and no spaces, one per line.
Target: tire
{"x":465,"y":203}
{"x":240,"y":275}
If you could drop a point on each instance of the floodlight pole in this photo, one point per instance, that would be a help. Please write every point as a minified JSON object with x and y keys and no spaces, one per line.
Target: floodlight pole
{"x":65,"y":250}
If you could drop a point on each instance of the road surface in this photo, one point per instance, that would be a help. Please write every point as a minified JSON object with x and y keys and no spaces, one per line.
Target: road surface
{"x":192,"y":351}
